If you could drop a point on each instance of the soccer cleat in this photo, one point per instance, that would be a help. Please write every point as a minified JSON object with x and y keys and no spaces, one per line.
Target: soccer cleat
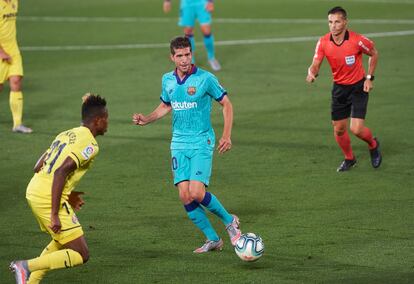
{"x":20,"y":270}
{"x":233,"y":230}
{"x":215,"y":65}
{"x":209,"y":246}
{"x":376,"y":157}
{"x":22,"y":129}
{"x":346,"y":165}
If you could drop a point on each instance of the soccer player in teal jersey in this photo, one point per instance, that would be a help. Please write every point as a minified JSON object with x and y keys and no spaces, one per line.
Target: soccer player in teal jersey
{"x":190,"y":11}
{"x":187,"y":92}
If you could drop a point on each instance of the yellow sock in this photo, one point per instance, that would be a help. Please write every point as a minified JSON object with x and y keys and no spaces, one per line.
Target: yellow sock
{"x":37,"y":276}
{"x":16,"y":107}
{"x":64,"y":258}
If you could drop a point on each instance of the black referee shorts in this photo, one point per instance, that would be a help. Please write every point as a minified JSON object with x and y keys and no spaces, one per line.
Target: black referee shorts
{"x":349,"y":100}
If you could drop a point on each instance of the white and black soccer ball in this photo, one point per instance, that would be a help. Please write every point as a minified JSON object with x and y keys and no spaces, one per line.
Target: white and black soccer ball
{"x":249,"y":247}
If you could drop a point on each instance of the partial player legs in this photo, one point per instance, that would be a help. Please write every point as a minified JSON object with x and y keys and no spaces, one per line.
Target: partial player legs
{"x":188,"y":32}
{"x":359,"y":130}
{"x":364,"y":133}
{"x":211,"y":202}
{"x":193,"y":195}
{"x":209,"y":44}
{"x":198,"y":216}
{"x":196,"y":213}
{"x":16,"y":105}
{"x":71,"y":254}
{"x":344,"y":142}
{"x":38,"y":275}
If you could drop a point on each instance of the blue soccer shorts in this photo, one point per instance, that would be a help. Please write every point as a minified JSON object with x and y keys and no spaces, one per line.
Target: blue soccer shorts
{"x":192,"y":165}
{"x":188,"y":16}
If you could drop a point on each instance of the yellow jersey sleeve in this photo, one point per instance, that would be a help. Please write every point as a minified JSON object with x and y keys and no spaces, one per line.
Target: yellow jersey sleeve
{"x":82,"y":153}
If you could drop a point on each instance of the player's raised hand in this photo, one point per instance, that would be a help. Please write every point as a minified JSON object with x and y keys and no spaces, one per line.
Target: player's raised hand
{"x":166,"y":6}
{"x":55,"y":224}
{"x":210,"y":6}
{"x":224,"y":145}
{"x":139,"y":119}
{"x":75,"y":200}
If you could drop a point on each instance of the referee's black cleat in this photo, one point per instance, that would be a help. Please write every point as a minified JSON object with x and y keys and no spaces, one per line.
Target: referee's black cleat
{"x":376,"y":157}
{"x":346,"y":165}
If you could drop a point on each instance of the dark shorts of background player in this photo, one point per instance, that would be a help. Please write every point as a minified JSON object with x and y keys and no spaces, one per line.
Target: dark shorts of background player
{"x":349,"y":101}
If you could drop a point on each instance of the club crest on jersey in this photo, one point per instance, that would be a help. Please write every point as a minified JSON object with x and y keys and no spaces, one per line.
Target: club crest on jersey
{"x":75,"y":219}
{"x":191,"y":90}
{"x":350,"y":60}
{"x":87,"y":152}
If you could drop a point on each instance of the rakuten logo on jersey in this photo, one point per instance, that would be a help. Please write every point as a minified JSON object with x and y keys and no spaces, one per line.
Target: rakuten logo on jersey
{"x":183,"y":105}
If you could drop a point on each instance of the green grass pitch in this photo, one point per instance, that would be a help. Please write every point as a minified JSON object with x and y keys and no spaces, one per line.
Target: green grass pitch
{"x":318,"y":226}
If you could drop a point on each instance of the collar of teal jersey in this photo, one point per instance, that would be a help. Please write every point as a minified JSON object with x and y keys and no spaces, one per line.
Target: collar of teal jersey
{"x":192,"y":71}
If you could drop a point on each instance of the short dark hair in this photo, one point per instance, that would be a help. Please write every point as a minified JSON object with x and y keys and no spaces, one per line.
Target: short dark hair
{"x":179,"y":43}
{"x":338,"y":10}
{"x":93,"y":106}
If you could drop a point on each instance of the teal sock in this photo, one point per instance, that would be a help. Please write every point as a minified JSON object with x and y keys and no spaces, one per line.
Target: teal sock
{"x":209,"y":43}
{"x":193,"y":46}
{"x":197,"y":214}
{"x":214,"y":206}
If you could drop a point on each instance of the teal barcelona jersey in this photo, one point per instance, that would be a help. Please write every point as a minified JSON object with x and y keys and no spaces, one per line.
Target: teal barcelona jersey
{"x":191,"y":3}
{"x":191,"y":102}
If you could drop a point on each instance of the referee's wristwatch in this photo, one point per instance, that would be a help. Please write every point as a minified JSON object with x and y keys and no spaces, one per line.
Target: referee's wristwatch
{"x":370,"y":77}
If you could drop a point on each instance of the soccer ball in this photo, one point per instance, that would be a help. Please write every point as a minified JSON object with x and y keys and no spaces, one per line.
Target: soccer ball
{"x":249,"y":247}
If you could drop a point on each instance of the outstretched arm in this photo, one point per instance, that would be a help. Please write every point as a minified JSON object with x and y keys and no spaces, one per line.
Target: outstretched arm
{"x":162,"y":110}
{"x":225,"y":140}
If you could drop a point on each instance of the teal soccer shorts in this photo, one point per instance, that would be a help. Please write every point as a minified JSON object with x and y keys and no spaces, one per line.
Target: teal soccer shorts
{"x":188,"y":16}
{"x":191,"y":165}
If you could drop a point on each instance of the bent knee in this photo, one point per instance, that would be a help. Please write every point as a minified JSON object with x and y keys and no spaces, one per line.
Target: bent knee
{"x":197,"y":196}
{"x":188,"y":32}
{"x":185,"y":198}
{"x":15,"y":83}
{"x":339,"y":131}
{"x":356,"y":130}
{"x":85,"y":256}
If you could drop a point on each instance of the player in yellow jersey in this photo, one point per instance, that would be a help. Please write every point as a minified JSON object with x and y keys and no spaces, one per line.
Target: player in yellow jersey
{"x":11,"y":67}
{"x":52,"y":200}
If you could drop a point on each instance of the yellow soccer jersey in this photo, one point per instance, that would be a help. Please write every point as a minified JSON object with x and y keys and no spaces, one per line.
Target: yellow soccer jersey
{"x":80,"y":145}
{"x":8,"y":14}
